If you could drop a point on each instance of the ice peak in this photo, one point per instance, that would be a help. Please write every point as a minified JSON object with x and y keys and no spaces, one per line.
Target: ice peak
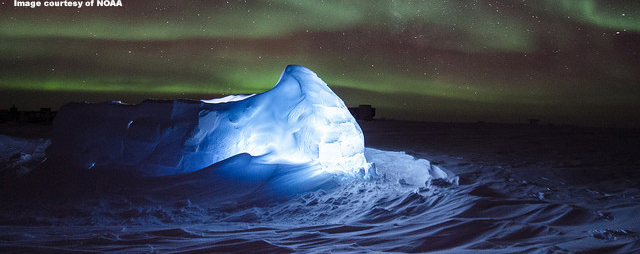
{"x":300,"y":120}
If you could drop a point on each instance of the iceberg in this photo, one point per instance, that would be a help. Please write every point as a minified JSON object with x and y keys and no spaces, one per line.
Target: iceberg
{"x":299,"y":121}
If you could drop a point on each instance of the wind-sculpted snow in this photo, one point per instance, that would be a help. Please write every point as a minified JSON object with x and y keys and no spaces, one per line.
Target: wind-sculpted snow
{"x":248,"y":204}
{"x":299,"y":121}
{"x":20,"y":156}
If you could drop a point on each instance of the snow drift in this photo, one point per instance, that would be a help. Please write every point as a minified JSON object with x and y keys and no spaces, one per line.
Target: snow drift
{"x":299,"y":121}
{"x":20,"y":156}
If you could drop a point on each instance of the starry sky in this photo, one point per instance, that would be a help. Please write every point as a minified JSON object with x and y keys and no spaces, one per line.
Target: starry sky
{"x":563,"y":62}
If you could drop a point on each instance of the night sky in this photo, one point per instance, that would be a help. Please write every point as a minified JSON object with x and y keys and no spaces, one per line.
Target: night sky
{"x":564,"y":62}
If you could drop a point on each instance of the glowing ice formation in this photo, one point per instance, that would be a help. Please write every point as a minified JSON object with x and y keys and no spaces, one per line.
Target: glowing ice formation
{"x":300,"y":120}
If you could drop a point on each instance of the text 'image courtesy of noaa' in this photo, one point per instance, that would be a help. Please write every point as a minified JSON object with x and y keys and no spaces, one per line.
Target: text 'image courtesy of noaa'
{"x":328,"y":126}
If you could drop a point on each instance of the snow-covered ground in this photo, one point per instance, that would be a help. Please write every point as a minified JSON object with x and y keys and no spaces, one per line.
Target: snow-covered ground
{"x":510,"y":188}
{"x":19,"y":156}
{"x":287,"y":170}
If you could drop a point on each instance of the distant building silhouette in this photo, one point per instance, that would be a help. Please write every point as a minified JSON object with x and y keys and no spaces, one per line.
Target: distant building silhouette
{"x":44,"y":116}
{"x":363,"y":112}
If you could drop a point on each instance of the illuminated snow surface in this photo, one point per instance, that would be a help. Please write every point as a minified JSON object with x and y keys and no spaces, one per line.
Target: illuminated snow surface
{"x":287,"y":171}
{"x":299,"y":121}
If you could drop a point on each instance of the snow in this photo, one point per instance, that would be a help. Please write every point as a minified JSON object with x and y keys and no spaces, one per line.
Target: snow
{"x":494,"y":206}
{"x":19,"y":156}
{"x":299,"y":121}
{"x":403,"y":167}
{"x":229,"y":98}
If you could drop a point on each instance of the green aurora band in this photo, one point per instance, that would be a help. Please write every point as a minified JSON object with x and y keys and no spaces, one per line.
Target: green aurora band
{"x":560,"y":61}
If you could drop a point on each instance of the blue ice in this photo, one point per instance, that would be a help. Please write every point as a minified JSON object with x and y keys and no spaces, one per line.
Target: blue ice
{"x":299,"y":121}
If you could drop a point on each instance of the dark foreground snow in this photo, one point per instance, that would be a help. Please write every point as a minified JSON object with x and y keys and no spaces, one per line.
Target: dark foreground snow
{"x":535,"y":189}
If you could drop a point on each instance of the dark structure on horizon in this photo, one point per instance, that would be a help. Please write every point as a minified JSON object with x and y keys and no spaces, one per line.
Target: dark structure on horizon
{"x":363,"y":112}
{"x":44,"y":116}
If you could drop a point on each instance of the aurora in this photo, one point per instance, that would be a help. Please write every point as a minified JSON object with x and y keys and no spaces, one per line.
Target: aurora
{"x":565,"y":63}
